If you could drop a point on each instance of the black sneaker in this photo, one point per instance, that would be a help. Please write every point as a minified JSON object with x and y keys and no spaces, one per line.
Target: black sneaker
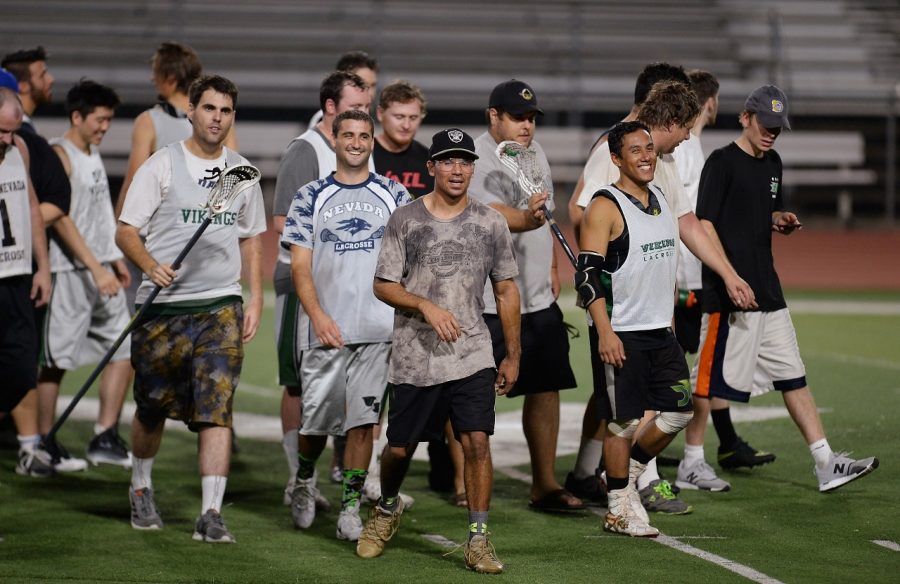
{"x":109,"y":448}
{"x":741,"y":454}
{"x":587,"y":489}
{"x":61,"y":459}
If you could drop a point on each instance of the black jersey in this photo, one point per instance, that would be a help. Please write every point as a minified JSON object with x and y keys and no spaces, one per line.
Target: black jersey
{"x":51,"y":184}
{"x":406,"y":168}
{"x":738,"y":194}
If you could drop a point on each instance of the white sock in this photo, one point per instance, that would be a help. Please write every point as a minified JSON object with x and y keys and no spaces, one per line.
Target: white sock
{"x":377,"y":449}
{"x":821,"y":452}
{"x":29,"y":442}
{"x":99,"y":429}
{"x":140,"y":473}
{"x":693,"y":454}
{"x":649,"y":475}
{"x":213,"y":487}
{"x":588,"y":460}
{"x":635,"y":469}
{"x":289,"y":443}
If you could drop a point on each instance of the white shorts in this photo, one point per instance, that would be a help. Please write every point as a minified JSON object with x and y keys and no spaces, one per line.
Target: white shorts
{"x":343,"y":388}
{"x":81,"y":325}
{"x":743,"y":354}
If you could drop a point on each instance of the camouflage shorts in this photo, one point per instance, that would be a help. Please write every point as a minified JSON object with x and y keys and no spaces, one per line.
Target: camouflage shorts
{"x":188,"y":366}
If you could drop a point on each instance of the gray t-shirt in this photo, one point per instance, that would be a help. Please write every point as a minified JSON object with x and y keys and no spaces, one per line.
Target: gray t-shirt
{"x":447,"y":262}
{"x":493,"y":182}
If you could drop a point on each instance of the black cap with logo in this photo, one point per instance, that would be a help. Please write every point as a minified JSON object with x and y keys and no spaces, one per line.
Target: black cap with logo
{"x":514,"y":97}
{"x":770,"y":105}
{"x":450,"y":143}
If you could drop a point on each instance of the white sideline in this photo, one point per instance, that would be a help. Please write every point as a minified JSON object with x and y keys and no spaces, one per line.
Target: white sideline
{"x":886,"y":543}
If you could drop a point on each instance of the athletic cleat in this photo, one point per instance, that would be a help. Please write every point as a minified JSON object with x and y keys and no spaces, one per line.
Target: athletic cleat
{"x":109,"y":448}
{"x":841,"y":469}
{"x":303,"y":502}
{"x":62,"y":460}
{"x":622,"y":518}
{"x":637,"y":505}
{"x":211,"y":528}
{"x":741,"y":455}
{"x":378,"y":530}
{"x":657,"y":497}
{"x":143,"y":509}
{"x":34,"y":462}
{"x":322,"y":504}
{"x":587,"y":489}
{"x":700,"y":476}
{"x":481,"y":556}
{"x":349,"y":525}
{"x":337,"y":475}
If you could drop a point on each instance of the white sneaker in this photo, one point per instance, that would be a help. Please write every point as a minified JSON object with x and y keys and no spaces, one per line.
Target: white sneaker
{"x":303,"y":502}
{"x":349,"y":525}
{"x":322,"y":504}
{"x":62,"y":460}
{"x":841,"y":469}
{"x":622,"y":518}
{"x":637,"y":506}
{"x":700,"y":476}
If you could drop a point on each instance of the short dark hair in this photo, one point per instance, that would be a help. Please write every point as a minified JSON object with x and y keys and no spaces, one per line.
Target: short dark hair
{"x":401,"y":91}
{"x":353,"y":60}
{"x":358,"y":115}
{"x":669,"y":102}
{"x":653,"y":74}
{"x":18,"y":63}
{"x":86,"y":96}
{"x":704,"y":84}
{"x":333,"y":86}
{"x":217,"y":83}
{"x":616,"y":135}
{"x":178,"y":61}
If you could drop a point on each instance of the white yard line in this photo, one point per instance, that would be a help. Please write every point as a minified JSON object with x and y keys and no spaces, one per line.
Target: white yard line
{"x":854,"y":360}
{"x":886,"y":543}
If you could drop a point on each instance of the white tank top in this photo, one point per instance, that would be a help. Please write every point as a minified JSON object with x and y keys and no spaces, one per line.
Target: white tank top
{"x":643,"y":288}
{"x":15,"y":216}
{"x":91,"y":209}
{"x":168,"y":128}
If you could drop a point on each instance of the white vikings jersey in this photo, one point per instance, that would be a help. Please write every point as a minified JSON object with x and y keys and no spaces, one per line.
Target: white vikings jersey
{"x":641,"y":293}
{"x":91,"y":209}
{"x":15,"y":216}
{"x":344,"y":226}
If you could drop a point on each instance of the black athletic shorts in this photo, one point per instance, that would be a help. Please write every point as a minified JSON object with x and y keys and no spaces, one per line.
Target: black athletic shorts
{"x":655,"y":376}
{"x":18,"y":341}
{"x":545,"y":351}
{"x":687,"y":325}
{"x":418,"y":414}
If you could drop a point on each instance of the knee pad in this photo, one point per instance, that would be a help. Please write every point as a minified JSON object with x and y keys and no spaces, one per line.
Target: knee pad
{"x":624,"y":428}
{"x":673,"y":422}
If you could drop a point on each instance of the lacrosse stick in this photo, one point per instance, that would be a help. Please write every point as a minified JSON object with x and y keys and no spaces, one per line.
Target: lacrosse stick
{"x":522,"y":161}
{"x":232,"y":182}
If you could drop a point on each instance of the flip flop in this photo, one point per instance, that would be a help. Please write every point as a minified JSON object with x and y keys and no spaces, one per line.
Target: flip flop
{"x":556,"y":502}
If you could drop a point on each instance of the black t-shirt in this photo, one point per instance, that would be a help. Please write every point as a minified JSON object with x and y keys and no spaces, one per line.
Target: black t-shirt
{"x":738,"y":194}
{"x":47,"y":172}
{"x":406,"y":168}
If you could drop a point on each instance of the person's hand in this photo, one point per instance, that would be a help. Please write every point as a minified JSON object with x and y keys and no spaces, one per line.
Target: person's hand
{"x":122,"y":272}
{"x":534,"y":215}
{"x":740,"y":293}
{"x":162,"y":275}
{"x":507,"y":375}
{"x":442,"y":321}
{"x":327,"y":330}
{"x":612,"y":352}
{"x":786,"y":223}
{"x":252,"y":314}
{"x":40,"y":287}
{"x":107,"y":283}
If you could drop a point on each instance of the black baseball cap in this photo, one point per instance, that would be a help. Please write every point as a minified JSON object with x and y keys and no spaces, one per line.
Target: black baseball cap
{"x":452,"y":142}
{"x":515,"y":97}
{"x":770,"y":105}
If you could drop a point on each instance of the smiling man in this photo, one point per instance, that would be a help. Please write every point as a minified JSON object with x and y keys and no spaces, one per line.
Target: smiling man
{"x":188,"y":350}
{"x":398,"y":155}
{"x":334,"y":231}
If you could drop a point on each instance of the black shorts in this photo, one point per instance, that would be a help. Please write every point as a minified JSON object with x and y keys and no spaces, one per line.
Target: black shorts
{"x":18,"y":341}
{"x":687,"y":325}
{"x":545,"y":351}
{"x":418,"y":414}
{"x":655,"y":376}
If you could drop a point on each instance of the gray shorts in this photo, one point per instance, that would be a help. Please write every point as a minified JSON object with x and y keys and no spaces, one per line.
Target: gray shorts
{"x":82,"y":325}
{"x":343,"y":388}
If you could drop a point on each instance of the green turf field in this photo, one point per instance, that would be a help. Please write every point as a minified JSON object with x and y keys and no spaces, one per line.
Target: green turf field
{"x":774,"y":522}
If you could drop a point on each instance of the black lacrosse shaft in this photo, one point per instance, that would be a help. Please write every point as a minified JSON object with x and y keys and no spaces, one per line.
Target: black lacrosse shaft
{"x":559,"y":236}
{"x":112,"y":350}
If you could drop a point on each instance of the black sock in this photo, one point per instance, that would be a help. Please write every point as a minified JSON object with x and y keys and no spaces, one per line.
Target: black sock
{"x":640,"y":455}
{"x":615,"y":484}
{"x":724,"y":428}
{"x":306,"y":467}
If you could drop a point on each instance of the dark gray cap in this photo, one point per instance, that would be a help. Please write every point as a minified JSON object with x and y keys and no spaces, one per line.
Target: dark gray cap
{"x":452,"y":142}
{"x":770,"y":105}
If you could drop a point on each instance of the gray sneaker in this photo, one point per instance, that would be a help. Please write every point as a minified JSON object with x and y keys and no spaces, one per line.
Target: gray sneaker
{"x":700,"y":476}
{"x":657,"y":497}
{"x":143,"y":509}
{"x":211,"y":528}
{"x":303,"y":502}
{"x":322,"y":504}
{"x":842,"y":469}
{"x":34,"y":462}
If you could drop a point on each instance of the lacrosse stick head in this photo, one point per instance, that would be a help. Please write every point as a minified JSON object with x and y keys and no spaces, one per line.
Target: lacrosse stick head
{"x":522,"y":161}
{"x":232,"y":182}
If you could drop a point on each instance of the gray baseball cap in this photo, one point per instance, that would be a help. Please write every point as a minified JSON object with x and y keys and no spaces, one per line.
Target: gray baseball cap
{"x":770,"y":105}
